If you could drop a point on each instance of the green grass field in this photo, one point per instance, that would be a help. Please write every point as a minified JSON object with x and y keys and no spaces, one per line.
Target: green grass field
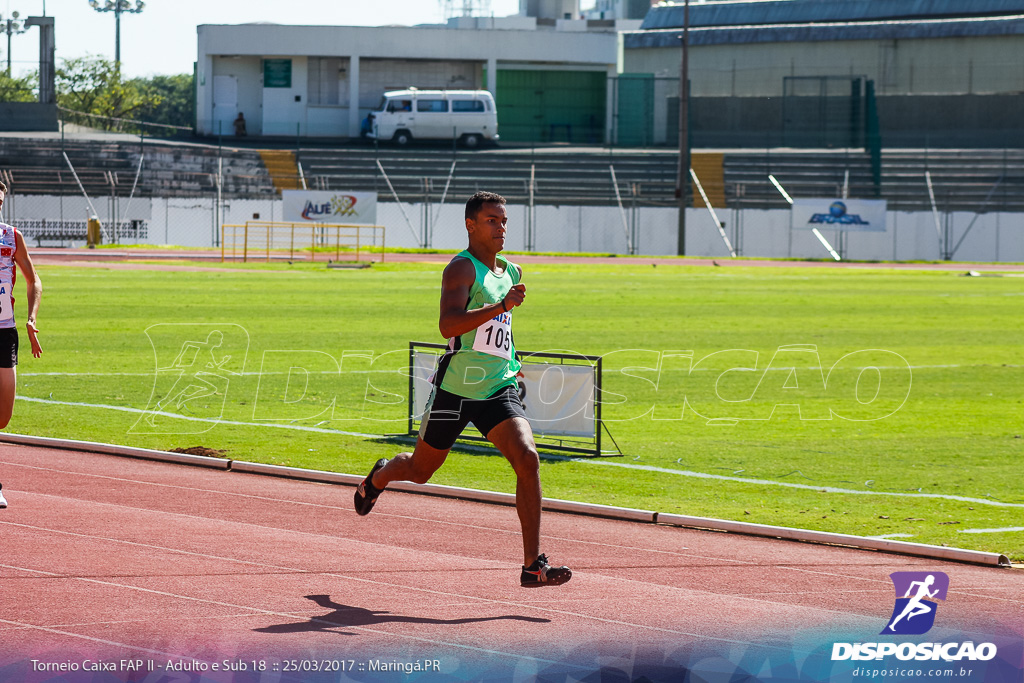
{"x":927,"y":447}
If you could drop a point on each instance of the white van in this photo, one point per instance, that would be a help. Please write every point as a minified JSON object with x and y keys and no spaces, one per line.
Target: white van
{"x":468,"y":116}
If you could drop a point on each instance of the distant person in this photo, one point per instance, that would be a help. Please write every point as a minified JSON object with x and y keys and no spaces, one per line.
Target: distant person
{"x":240,"y":125}
{"x":476,"y":382}
{"x":13,"y":251}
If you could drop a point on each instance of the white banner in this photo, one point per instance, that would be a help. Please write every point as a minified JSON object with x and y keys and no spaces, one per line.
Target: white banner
{"x":320,"y":206}
{"x":559,"y":399}
{"x":867,"y":215}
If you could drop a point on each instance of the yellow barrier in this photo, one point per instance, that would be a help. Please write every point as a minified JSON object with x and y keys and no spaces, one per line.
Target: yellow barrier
{"x":263,"y":237}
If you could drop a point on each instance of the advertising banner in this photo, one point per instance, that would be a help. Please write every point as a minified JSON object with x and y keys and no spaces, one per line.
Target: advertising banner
{"x":855,"y":215}
{"x":325,"y":206}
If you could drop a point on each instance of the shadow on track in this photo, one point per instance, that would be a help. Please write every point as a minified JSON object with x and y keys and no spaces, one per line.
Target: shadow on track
{"x":346,"y":616}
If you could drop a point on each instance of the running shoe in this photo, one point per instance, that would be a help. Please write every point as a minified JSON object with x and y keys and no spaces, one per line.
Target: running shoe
{"x":366,"y":492}
{"x":540,"y":573}
{"x":3,"y":501}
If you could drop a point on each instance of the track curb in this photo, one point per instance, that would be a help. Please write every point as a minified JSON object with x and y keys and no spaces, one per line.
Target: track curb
{"x":552,"y":504}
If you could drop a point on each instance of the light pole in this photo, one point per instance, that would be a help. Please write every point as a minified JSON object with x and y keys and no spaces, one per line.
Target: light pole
{"x":118,"y":7}
{"x":12,"y":27}
{"x":683,"y":173}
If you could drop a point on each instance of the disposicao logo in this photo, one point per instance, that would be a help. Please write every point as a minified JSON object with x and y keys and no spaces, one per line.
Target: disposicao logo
{"x":914,"y":614}
{"x":837,"y":214}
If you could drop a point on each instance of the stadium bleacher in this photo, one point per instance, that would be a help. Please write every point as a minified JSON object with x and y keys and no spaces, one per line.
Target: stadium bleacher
{"x":964,"y":180}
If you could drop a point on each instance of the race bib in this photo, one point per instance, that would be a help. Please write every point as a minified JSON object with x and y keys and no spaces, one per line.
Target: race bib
{"x":6,"y":306}
{"x":495,"y":336}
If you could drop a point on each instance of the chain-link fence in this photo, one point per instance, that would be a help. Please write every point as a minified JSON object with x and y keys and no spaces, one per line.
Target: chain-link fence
{"x":600,"y":200}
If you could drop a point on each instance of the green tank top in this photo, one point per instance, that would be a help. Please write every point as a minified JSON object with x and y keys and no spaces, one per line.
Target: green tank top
{"x":482,"y":361}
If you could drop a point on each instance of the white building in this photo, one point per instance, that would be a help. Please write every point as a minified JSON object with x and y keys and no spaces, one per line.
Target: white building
{"x":321,"y":81}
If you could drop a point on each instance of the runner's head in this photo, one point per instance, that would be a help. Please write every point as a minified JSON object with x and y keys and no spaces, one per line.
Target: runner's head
{"x":3,"y":193}
{"x":477,"y":201}
{"x":486,"y":219}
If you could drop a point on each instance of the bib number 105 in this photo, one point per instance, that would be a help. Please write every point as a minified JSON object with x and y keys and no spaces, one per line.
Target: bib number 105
{"x":495,"y":337}
{"x":501,"y":338}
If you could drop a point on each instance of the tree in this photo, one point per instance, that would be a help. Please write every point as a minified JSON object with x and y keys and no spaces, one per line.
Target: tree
{"x":93,"y":85}
{"x":172,"y":98}
{"x":17,"y":89}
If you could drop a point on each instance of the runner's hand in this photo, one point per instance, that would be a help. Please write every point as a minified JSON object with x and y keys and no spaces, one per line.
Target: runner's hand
{"x":37,"y":350}
{"x":515,"y":296}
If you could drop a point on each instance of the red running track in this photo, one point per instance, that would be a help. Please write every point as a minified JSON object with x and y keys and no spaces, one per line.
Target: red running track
{"x":105,"y":558}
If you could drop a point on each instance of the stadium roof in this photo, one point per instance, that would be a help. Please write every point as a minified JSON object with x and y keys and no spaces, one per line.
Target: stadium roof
{"x":813,"y":11}
{"x":769,"y":21}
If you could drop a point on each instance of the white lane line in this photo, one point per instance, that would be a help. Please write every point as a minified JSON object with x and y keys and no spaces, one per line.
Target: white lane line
{"x":137,"y":411}
{"x":586,"y":461}
{"x":394,"y":370}
{"x":768,"y":482}
{"x":344,"y":508}
{"x":103,"y":641}
{"x":255,"y":611}
{"x":990,"y":531}
{"x":446,"y":594}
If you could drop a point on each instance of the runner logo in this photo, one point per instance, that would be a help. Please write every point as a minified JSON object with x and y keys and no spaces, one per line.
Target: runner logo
{"x":916,"y":592}
{"x":195,"y":364}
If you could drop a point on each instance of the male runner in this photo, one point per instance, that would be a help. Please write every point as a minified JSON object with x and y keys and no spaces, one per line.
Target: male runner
{"x":13,"y":251}
{"x":916,"y":606}
{"x":476,"y":382}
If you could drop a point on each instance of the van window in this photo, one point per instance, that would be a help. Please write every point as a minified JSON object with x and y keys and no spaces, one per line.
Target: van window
{"x":467,"y":105}
{"x":432,"y":105}
{"x":400,"y":105}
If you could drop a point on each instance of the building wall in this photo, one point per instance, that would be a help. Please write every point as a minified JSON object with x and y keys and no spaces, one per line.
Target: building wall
{"x":947,"y":66}
{"x":374,"y":60}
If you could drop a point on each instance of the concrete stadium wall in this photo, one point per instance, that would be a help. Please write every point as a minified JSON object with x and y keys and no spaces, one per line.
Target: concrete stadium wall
{"x":183,"y":221}
{"x":28,"y":116}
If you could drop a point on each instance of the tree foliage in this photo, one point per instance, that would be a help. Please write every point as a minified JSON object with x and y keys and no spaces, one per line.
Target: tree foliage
{"x":93,"y":85}
{"x":18,"y":89}
{"x":173,"y":97}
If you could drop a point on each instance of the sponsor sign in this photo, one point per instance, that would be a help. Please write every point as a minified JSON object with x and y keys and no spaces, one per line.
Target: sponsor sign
{"x":860,"y":215}
{"x":320,"y":206}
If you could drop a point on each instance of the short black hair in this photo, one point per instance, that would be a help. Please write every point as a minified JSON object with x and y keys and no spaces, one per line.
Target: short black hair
{"x":3,"y":187}
{"x":479,"y":199}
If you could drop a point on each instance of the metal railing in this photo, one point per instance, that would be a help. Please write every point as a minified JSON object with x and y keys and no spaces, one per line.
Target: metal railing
{"x":274,"y":239}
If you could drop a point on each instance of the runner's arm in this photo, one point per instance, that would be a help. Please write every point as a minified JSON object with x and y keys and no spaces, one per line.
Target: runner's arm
{"x":456,"y":281}
{"x":34,"y":289}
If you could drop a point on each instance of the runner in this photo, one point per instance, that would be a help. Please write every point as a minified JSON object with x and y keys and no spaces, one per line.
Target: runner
{"x":476,"y":382}
{"x":916,"y":606}
{"x":13,"y":251}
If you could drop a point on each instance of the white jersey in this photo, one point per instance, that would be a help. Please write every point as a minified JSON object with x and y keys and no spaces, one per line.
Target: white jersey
{"x":7,"y":275}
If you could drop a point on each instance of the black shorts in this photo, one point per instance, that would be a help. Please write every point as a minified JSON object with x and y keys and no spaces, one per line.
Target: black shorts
{"x":448,"y":414}
{"x":8,"y":347}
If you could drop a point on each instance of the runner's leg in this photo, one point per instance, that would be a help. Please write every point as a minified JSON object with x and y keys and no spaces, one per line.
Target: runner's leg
{"x":8,"y":384}
{"x":418,"y":466}
{"x":514,"y":438}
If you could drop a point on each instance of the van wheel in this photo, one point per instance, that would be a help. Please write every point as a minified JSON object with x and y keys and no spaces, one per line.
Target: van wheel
{"x":472,"y":141}
{"x":402,"y":138}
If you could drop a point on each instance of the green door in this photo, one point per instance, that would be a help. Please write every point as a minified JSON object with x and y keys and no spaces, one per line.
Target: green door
{"x":551,"y":106}
{"x":634,"y":122}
